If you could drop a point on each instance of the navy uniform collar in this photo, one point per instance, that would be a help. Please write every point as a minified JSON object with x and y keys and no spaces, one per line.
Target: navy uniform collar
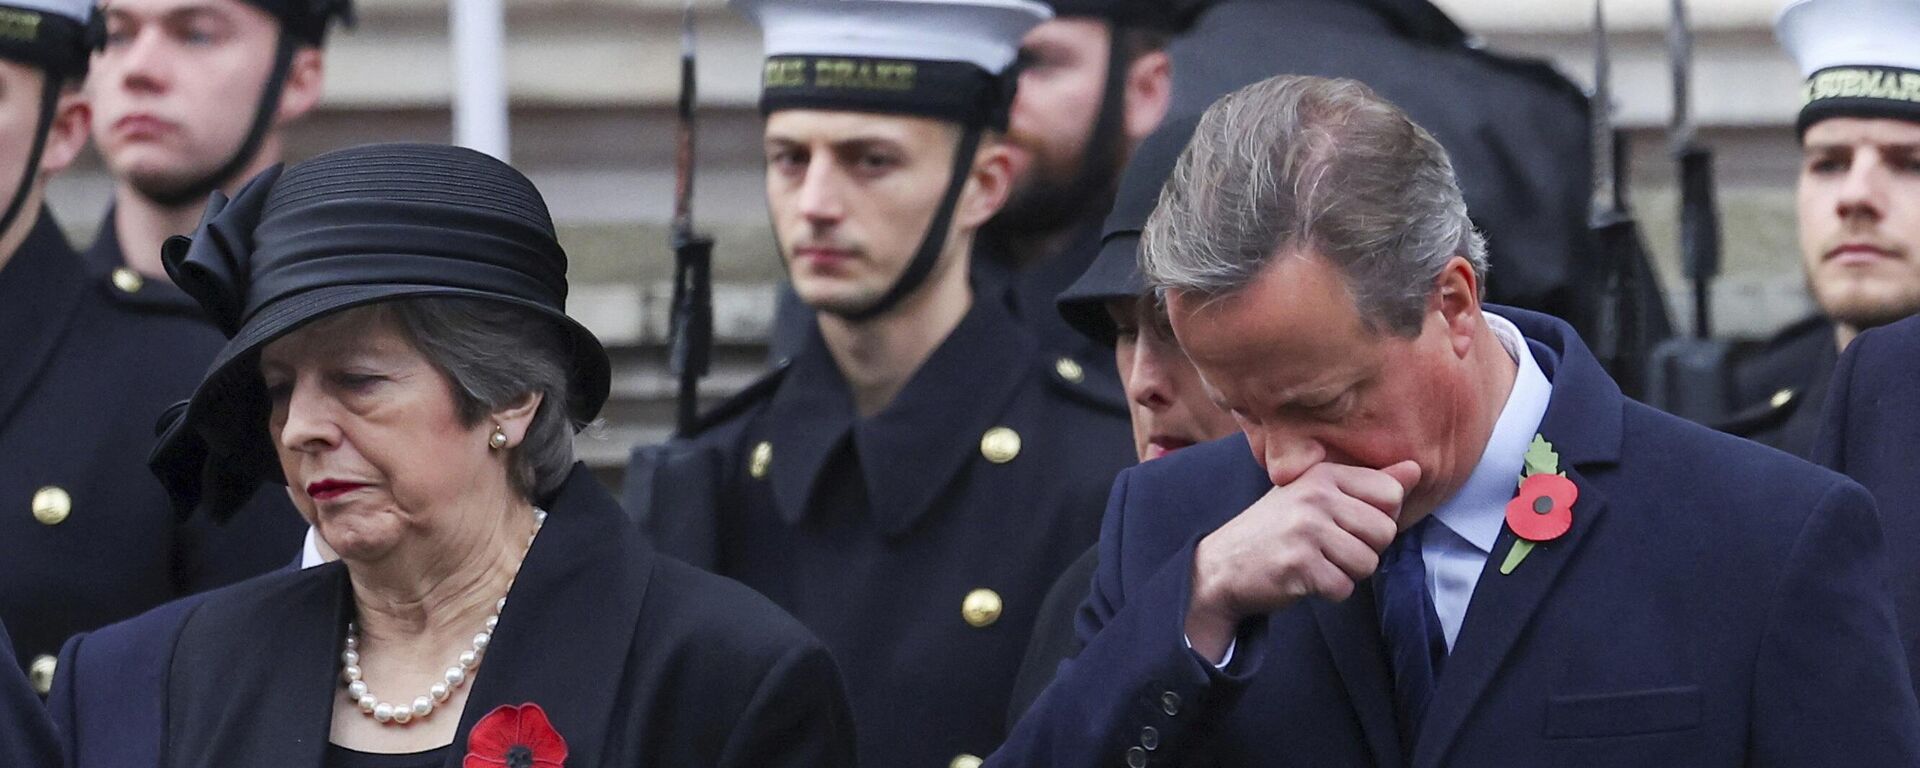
{"x":909,"y":452}
{"x":142,"y":293}
{"x":40,"y":288}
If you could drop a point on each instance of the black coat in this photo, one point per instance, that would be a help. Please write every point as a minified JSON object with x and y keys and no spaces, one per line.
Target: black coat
{"x":26,"y":736}
{"x":1871,"y":432}
{"x":638,"y":659}
{"x":1776,"y":386}
{"x":875,"y":532}
{"x":1516,"y":130}
{"x":83,"y":378}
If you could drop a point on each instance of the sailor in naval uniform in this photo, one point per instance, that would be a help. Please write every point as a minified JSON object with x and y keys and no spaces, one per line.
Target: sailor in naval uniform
{"x":912,"y":481}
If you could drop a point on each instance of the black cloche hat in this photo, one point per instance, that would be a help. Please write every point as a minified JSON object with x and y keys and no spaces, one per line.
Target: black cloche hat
{"x":346,"y":229}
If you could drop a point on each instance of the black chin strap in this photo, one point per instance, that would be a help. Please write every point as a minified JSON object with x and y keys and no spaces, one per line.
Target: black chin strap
{"x":263,"y":115}
{"x":1103,"y":143}
{"x":935,"y":240}
{"x":49,"y":103}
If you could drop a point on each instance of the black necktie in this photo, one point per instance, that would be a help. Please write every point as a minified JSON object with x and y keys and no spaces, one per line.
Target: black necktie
{"x":1416,"y":646}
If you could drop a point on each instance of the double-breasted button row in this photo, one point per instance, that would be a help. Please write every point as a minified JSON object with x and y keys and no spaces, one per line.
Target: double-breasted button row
{"x":999,"y":445}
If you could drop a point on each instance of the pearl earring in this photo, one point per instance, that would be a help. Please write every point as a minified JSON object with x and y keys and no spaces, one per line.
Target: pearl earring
{"x":498,"y":439}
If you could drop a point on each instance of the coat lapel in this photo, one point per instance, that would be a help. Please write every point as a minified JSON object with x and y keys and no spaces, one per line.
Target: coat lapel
{"x":1584,"y":423}
{"x":265,"y":694}
{"x":805,"y":426}
{"x":568,"y":627}
{"x":1503,"y":605}
{"x":1352,"y":632}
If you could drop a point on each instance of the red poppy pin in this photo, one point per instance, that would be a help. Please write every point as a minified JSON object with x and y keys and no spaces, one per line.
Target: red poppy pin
{"x":515,"y":737}
{"x":1543,"y":510}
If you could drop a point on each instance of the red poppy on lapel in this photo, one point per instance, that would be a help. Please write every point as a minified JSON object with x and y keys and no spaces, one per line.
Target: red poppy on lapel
{"x":1543,"y":510}
{"x":515,"y":737}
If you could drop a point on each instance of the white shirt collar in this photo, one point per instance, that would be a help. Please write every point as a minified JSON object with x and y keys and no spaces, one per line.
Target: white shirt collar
{"x":1478,"y":510}
{"x":310,"y":549}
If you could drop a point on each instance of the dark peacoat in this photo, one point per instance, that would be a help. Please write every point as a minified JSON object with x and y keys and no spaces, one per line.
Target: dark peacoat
{"x":917,"y":542}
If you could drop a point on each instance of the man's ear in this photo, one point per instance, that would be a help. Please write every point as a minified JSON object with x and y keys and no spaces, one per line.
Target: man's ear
{"x":1456,"y":297}
{"x":306,"y":81}
{"x":72,"y":118}
{"x":990,"y":186}
{"x":1149,"y":94}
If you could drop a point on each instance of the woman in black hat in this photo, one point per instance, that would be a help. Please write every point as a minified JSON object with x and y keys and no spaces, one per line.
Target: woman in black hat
{"x":400,"y":358}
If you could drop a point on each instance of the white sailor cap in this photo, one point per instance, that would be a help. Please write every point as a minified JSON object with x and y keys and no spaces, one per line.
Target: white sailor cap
{"x":1861,"y":58}
{"x":952,"y":60}
{"x":49,"y":34}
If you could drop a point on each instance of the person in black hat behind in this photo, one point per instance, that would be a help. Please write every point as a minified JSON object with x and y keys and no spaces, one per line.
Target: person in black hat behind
{"x":1111,"y":305}
{"x":913,"y":480}
{"x":86,"y":537}
{"x":401,"y":360}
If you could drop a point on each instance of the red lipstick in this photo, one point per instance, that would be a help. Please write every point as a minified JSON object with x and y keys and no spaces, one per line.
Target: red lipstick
{"x":327,"y":490}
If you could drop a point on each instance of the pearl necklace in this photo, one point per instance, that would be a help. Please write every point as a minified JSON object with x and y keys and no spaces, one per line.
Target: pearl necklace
{"x":455,"y":676}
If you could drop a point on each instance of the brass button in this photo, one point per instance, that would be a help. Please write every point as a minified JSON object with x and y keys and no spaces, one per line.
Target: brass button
{"x":1070,"y":369}
{"x":761,"y":460}
{"x":1136,"y":758}
{"x":1782,"y":397}
{"x":52,"y":505}
{"x":128,"y":281}
{"x":981,"y":608}
{"x":964,"y":761}
{"x":40,"y":673}
{"x":1000,"y":445}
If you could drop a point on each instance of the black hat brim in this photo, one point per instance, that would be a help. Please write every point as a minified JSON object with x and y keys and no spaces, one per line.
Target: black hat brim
{"x":1113,"y":276}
